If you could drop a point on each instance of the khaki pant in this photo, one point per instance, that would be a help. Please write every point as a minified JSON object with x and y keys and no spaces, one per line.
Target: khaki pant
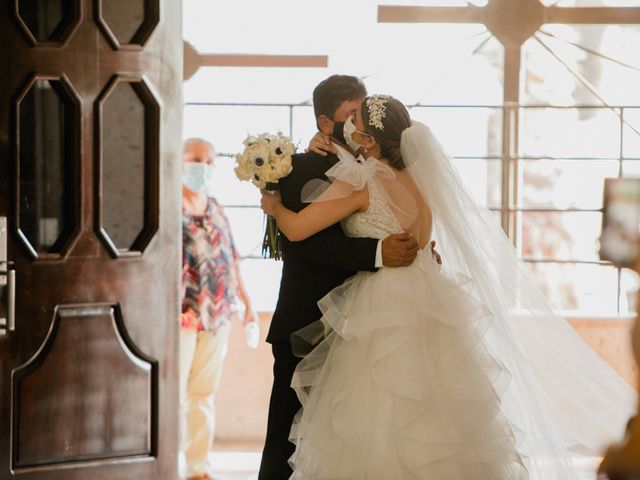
{"x":201,"y":359}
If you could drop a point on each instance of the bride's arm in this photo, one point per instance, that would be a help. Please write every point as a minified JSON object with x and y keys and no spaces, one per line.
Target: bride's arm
{"x":316,"y":217}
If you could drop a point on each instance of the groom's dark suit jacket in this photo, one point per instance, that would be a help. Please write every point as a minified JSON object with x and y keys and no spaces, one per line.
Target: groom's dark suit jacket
{"x":315,"y":266}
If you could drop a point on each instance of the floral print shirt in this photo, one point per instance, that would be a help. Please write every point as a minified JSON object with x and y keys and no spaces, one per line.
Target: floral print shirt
{"x":209,"y":256}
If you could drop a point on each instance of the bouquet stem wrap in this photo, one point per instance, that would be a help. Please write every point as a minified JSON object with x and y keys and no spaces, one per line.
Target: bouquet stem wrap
{"x":272,"y":241}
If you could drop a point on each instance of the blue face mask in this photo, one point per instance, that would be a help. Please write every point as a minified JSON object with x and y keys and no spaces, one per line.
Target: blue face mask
{"x":196,"y":176}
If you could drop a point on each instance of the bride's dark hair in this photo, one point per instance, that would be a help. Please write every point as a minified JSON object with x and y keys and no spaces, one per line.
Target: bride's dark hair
{"x":385,"y":119}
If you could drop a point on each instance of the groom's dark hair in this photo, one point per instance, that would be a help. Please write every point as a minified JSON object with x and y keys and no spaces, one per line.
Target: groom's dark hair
{"x":331,"y":92}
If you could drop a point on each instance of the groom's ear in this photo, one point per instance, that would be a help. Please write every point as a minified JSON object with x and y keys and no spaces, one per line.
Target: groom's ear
{"x":325,"y":125}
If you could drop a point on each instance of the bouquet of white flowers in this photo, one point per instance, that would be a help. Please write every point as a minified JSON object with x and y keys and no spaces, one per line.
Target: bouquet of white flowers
{"x":265,"y":160}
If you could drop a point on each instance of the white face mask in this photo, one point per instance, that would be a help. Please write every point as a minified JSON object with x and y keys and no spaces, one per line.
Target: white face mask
{"x":196,"y":176}
{"x":349,"y":130}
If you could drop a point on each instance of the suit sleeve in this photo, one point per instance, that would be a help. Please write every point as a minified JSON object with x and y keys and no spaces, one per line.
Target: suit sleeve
{"x":329,"y":246}
{"x":332,"y":247}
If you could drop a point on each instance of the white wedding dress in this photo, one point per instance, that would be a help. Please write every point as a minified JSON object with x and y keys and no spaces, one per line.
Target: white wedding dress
{"x":425,"y":374}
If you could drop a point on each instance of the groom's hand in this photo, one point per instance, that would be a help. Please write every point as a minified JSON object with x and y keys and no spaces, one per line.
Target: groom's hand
{"x":399,"y":250}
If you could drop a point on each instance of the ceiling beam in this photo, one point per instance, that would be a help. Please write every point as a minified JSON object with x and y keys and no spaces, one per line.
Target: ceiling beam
{"x":193,"y":60}
{"x":473,"y":14}
{"x":255,"y":60}
{"x":593,"y":15}
{"x":410,"y":14}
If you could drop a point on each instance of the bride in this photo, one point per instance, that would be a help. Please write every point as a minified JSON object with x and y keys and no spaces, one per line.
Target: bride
{"x":456,"y":373}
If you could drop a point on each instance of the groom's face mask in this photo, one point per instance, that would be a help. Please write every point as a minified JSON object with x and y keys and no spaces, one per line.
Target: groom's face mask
{"x":338,"y":131}
{"x":346,"y":109}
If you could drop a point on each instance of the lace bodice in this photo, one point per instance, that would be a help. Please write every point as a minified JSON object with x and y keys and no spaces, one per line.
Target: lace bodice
{"x":377,"y":222}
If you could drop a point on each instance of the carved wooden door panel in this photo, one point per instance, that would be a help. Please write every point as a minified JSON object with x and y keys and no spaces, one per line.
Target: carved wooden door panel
{"x":90,"y":133}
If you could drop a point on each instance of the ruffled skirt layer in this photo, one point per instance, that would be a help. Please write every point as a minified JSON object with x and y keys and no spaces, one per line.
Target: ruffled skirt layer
{"x":404,"y":385}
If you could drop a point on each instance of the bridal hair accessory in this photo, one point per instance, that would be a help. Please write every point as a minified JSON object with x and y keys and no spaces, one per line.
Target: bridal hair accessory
{"x":377,"y":107}
{"x":265,"y":160}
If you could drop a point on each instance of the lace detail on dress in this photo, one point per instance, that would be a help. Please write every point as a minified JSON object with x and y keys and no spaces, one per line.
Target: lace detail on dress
{"x":377,"y":222}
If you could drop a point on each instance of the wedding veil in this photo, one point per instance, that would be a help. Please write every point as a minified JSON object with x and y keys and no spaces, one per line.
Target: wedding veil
{"x":561,"y":394}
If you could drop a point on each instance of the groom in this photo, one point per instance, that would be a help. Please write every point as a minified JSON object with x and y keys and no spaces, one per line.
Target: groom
{"x":314,"y":267}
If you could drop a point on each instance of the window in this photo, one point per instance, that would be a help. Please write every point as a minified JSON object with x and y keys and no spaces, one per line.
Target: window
{"x":566,"y":149}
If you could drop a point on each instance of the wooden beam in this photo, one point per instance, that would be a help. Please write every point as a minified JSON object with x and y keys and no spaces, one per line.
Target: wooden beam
{"x":594,"y":15}
{"x":193,"y":60}
{"x":251,"y":60}
{"x":472,"y":14}
{"x":411,"y":14}
{"x":512,"y":73}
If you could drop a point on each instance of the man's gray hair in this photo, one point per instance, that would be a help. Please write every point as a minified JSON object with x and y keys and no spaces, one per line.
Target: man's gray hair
{"x":189,"y":142}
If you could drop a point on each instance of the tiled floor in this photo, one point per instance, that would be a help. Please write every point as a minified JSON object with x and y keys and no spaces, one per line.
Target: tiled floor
{"x":236,"y":465}
{"x":244,"y":466}
{"x":232,"y":465}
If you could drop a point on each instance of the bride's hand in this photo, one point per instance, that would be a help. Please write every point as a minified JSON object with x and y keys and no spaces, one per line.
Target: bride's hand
{"x":321,"y":144}
{"x":270,"y":202}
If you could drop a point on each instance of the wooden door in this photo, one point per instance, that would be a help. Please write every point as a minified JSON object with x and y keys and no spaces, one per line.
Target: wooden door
{"x":90,"y":162}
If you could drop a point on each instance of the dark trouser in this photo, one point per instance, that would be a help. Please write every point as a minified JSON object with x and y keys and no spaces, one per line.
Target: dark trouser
{"x":282,"y":408}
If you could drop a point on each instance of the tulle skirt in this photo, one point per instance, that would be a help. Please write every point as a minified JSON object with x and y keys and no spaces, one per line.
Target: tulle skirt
{"x":412,"y":381}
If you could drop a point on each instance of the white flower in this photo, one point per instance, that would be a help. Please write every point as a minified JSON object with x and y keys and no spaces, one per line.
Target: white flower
{"x":282,"y":147}
{"x":250,"y":140}
{"x":243,"y":172}
{"x":284,"y":167}
{"x":261,"y":184}
{"x":271,"y":175}
{"x":257,"y":155}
